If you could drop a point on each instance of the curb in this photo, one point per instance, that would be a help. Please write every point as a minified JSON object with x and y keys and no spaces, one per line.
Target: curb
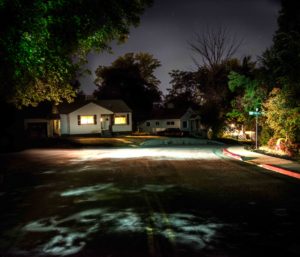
{"x":280,"y":170}
{"x":233,"y":155}
{"x":265,"y":166}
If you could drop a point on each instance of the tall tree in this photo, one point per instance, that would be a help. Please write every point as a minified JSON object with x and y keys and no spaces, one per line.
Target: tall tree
{"x":214,"y":46}
{"x":214,"y":56}
{"x":131,"y":78}
{"x":282,"y":60}
{"x":43,"y":43}
{"x":281,"y":65}
{"x":215,"y":92}
{"x":185,"y":90}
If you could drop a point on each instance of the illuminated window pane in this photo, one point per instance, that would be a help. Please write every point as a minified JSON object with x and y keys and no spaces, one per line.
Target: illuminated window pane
{"x":120,"y":120}
{"x":87,"y":119}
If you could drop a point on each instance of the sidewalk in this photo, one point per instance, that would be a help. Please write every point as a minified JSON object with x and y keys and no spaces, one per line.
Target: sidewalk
{"x":283,"y":166}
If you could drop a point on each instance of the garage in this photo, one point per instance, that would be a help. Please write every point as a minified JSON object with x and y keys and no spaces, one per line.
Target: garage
{"x":37,"y":129}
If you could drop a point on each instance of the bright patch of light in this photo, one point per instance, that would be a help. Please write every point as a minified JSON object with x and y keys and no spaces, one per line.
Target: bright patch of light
{"x":86,"y":120}
{"x":69,"y":235}
{"x":66,"y":156}
{"x":153,"y":153}
{"x":110,"y":191}
{"x":84,"y":190}
{"x":120,"y":119}
{"x":61,"y":245}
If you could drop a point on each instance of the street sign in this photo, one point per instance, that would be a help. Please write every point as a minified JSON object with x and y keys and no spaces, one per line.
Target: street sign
{"x":254,"y":113}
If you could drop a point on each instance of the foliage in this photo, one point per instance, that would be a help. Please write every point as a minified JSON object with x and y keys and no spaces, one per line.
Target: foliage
{"x":282,"y":61}
{"x":43,"y":43}
{"x":215,"y":91}
{"x":208,"y":87}
{"x":265,"y":135}
{"x":282,"y":114}
{"x":250,"y":95}
{"x":131,"y":78}
{"x":185,"y":89}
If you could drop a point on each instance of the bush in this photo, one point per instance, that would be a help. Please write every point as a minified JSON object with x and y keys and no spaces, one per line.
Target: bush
{"x":265,"y":135}
{"x":272,"y":143}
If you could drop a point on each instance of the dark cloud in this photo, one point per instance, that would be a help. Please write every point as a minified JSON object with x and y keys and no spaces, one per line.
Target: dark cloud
{"x":166,"y":27}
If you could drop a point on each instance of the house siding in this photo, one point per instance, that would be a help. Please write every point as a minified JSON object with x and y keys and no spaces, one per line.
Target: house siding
{"x":89,"y":109}
{"x":125,"y":127}
{"x":64,"y":124}
{"x":163,"y":124}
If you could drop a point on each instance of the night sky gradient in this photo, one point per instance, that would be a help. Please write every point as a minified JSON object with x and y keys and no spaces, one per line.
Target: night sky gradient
{"x":168,"y":25}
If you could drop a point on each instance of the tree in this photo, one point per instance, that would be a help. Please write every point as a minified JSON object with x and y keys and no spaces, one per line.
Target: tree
{"x":250,"y":94}
{"x":216,"y":93}
{"x":185,"y":90}
{"x":282,"y":115}
{"x":131,"y":78}
{"x":44,"y":43}
{"x":214,"y":46}
{"x":280,"y":66}
{"x":282,"y":60}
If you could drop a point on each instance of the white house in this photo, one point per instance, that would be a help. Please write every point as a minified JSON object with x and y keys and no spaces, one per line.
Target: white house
{"x":84,"y":117}
{"x":96,"y":116}
{"x":185,"y":119}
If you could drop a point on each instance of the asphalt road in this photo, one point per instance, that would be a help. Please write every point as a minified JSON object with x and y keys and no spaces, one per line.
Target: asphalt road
{"x":179,"y":201}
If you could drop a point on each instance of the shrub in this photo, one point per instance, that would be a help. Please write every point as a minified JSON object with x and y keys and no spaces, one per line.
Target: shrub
{"x":272,"y":143}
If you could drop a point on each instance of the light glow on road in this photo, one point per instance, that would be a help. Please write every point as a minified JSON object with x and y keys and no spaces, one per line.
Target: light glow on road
{"x":65,"y":156}
{"x":152,"y":153}
{"x":70,"y":235}
{"x":110,"y":191}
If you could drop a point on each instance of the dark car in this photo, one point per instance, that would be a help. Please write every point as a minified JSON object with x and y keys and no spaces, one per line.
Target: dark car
{"x":171,"y":132}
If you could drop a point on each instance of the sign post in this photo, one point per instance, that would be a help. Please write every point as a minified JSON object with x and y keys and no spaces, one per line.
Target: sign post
{"x":256,"y":113}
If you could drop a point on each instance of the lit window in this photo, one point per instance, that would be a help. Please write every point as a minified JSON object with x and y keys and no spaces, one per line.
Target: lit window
{"x":87,"y":120}
{"x":120,"y":119}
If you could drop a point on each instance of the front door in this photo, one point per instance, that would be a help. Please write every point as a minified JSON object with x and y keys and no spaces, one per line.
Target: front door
{"x":105,"y":122}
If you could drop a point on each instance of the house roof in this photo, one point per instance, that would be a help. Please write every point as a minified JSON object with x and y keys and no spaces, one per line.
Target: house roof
{"x":114,"y":105}
{"x":173,"y":113}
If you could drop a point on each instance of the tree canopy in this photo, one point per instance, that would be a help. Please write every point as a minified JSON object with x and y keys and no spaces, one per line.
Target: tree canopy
{"x":185,"y":89}
{"x":249,"y":95}
{"x":131,"y":78}
{"x":43,"y":43}
{"x":281,"y":65}
{"x":282,"y":60}
{"x":282,"y":116}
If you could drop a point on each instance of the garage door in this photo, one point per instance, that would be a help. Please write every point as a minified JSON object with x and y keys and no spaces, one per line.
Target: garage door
{"x":37,"y":130}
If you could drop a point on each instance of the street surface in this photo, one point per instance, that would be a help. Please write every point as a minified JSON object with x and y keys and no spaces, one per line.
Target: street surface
{"x":156,"y":201}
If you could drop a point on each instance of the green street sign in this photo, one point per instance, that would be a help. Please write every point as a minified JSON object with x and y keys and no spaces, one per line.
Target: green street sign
{"x":254,"y":113}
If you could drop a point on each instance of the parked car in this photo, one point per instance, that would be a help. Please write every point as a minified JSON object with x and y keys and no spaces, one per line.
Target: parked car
{"x":172,"y":132}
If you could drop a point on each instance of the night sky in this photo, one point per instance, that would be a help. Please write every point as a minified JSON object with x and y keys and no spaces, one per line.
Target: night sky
{"x":168,"y":25}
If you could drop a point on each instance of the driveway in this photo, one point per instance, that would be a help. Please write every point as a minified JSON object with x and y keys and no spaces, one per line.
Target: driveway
{"x":157,"y":201}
